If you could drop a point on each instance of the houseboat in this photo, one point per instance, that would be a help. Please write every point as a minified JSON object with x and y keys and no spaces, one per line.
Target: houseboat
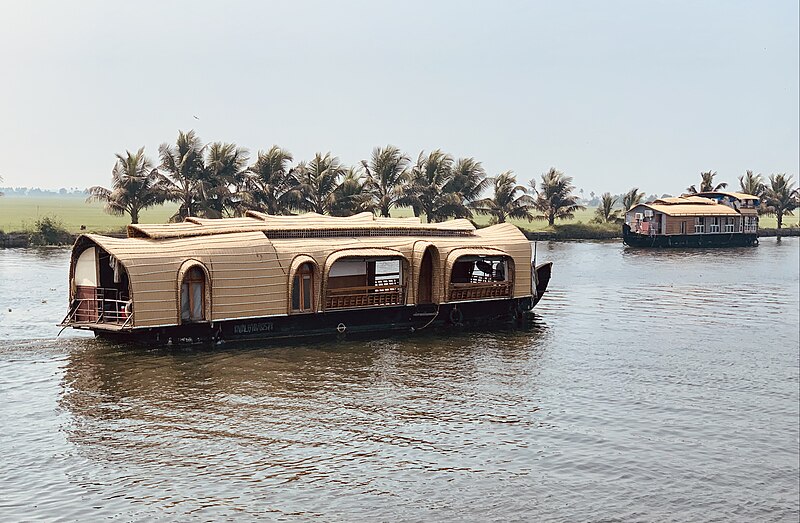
{"x":709,"y":219}
{"x":264,"y":276}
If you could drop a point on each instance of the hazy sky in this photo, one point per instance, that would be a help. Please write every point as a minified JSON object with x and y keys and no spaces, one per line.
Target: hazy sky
{"x":614,"y":93}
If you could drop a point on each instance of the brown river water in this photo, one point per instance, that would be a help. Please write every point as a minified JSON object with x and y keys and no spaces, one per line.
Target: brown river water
{"x":652,"y":386}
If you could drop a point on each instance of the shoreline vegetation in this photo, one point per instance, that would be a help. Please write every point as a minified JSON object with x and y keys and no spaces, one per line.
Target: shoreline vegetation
{"x":218,"y":179}
{"x":38,"y":222}
{"x":571,"y":232}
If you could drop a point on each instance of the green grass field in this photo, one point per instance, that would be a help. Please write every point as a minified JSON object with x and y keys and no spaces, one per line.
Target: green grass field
{"x":19,"y":214}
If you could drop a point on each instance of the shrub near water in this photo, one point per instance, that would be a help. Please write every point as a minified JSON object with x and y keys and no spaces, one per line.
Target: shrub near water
{"x":579,"y":231}
{"x":588,"y":231}
{"x":50,"y":231}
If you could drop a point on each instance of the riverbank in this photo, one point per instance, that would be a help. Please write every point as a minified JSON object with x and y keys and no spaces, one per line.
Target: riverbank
{"x":590,"y":232}
{"x":559,"y":233}
{"x":20,"y":214}
{"x":36,"y":239}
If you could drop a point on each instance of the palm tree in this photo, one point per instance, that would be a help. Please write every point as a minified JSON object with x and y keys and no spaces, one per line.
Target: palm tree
{"x":555,"y":200}
{"x":781,"y":197}
{"x":183,"y":166}
{"x":425,"y":193}
{"x":224,"y":182}
{"x":135,"y":186}
{"x":632,"y":198}
{"x":706,"y":183}
{"x":468,"y":182}
{"x":353,"y":195}
{"x":509,"y":201}
{"x":1,"y":192}
{"x":605,"y":213}
{"x":387,"y":173}
{"x":318,"y":181}
{"x":751,"y":183}
{"x":273,"y":186}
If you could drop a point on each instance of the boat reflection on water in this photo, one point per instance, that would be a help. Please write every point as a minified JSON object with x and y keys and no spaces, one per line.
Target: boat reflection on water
{"x":163,"y":409}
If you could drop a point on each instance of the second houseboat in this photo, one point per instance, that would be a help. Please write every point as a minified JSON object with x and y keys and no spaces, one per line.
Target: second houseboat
{"x":712,"y":219}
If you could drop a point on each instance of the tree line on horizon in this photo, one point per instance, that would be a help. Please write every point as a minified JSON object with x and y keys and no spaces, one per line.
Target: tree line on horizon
{"x":217,"y":180}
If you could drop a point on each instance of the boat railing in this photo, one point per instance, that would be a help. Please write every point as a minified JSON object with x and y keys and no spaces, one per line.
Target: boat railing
{"x":646,"y":228}
{"x":106,"y":307}
{"x":477,"y":291}
{"x":383,"y":293}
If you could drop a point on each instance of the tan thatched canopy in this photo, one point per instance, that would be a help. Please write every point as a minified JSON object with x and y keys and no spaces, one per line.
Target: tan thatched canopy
{"x":304,"y":225}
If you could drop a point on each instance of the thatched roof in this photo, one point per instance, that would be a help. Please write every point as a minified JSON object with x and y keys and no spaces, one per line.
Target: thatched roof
{"x":691,"y":209}
{"x":310,"y":225}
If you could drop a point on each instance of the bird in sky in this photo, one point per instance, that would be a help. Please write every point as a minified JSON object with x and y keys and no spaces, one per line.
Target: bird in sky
{"x":196,"y":118}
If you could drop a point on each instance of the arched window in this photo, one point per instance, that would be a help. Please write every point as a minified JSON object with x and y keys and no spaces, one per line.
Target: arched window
{"x":193,"y":292}
{"x":303,"y":289}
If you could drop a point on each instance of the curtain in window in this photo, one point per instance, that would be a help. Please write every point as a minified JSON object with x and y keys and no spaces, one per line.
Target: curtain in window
{"x":197,"y":301}
{"x":185,"y":313}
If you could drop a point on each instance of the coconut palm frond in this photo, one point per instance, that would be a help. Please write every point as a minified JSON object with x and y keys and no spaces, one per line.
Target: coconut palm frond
{"x":135,"y":186}
{"x":554,"y":200}
{"x":605,"y":212}
{"x":781,"y":197}
{"x":509,"y":201}
{"x":632,"y":198}
{"x":386,"y":174}
{"x":751,"y":183}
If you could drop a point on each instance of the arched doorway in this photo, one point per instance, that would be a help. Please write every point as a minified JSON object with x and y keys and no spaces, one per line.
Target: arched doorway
{"x":425,"y":285}
{"x":303,"y":289}
{"x":193,"y":295}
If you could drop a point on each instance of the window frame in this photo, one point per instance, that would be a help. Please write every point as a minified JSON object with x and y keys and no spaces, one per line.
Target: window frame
{"x":367,"y":296}
{"x":306,"y":269}
{"x":699,"y":225}
{"x":188,"y":277}
{"x":482,"y":290}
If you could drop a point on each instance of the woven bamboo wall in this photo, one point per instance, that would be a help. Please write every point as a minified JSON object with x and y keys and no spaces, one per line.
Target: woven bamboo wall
{"x":246,"y":277}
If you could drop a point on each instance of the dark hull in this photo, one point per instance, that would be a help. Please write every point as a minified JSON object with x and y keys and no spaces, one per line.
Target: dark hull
{"x":736,"y":239}
{"x":330,"y":324}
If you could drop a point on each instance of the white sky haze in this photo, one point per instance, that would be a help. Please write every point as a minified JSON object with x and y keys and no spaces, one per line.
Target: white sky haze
{"x":616,"y":94}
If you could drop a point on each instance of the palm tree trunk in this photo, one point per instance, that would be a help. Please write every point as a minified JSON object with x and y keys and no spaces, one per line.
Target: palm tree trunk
{"x":134,"y":216}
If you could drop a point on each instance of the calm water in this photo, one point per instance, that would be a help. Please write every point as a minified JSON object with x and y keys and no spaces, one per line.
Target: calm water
{"x":654,"y":386}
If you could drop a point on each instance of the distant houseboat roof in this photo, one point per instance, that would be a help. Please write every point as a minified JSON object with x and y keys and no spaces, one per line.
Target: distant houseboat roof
{"x":685,"y":200}
{"x":694,"y":210}
{"x":730,"y":194}
{"x":309,"y":225}
{"x":690,"y":206}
